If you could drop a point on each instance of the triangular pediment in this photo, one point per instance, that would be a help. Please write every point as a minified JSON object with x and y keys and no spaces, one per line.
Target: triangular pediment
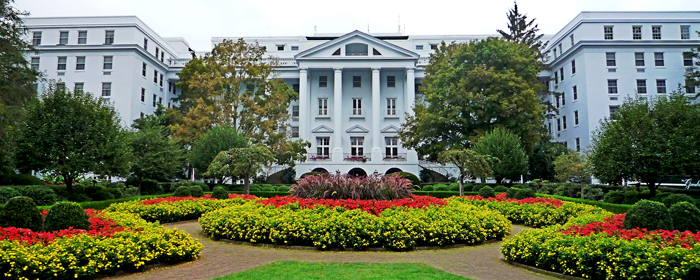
{"x":390,"y":129}
{"x":375,"y":48}
{"x":322,"y":129}
{"x":357,"y":129}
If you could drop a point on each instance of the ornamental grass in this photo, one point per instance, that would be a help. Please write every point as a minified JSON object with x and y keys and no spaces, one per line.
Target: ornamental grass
{"x":346,"y":186}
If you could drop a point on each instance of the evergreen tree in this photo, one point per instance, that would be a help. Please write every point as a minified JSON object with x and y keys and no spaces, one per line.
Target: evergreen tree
{"x":520,"y":30}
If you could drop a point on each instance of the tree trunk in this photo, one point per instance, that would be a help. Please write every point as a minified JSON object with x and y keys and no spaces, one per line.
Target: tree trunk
{"x":246,"y":185}
{"x":461,"y":185}
{"x":651,"y":184}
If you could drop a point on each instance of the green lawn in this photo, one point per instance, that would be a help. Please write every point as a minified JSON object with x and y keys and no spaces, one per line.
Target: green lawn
{"x":313,"y":270}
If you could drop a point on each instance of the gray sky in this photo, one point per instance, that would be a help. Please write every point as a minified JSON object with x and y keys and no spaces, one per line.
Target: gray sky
{"x":199,"y":20}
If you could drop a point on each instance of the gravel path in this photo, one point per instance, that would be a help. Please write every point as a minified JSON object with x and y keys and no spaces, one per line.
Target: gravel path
{"x":220,"y":258}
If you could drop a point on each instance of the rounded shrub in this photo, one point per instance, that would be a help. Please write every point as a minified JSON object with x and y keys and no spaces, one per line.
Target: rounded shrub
{"x":454,"y":187}
{"x":410,"y":176}
{"x":41,"y":195}
{"x":116,"y":192}
{"x":428,"y":188}
{"x":685,"y":216}
{"x":21,"y":212}
{"x":19,"y":180}
{"x":468,"y":187}
{"x":478,"y":187}
{"x":672,"y":199}
{"x":103,"y":194}
{"x":282,"y":188}
{"x":487,"y":192}
{"x":441,"y":187}
{"x":500,"y":189}
{"x":616,"y":197}
{"x":204,"y":186}
{"x":182,"y":191}
{"x":631,"y":197}
{"x":64,"y":215}
{"x":512,"y":192}
{"x":220,"y":193}
{"x":6,"y":193}
{"x":196,"y":191}
{"x":267,"y":188}
{"x":648,"y":214}
{"x":525,"y":193}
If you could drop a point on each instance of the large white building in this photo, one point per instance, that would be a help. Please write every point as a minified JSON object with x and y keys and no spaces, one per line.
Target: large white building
{"x":356,"y":88}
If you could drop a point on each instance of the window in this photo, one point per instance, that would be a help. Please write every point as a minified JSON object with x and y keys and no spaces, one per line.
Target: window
{"x":61,"y":86}
{"x":295,"y":132}
{"x":295,"y":112}
{"x":143,"y":95}
{"x":109,"y":37}
{"x":251,"y":88}
{"x":155,"y":76}
{"x":79,"y":87}
{"x":323,"y":106}
{"x":82,"y":37}
{"x":687,"y":59}
{"x":558,"y":125}
{"x":143,"y":70}
{"x":36,"y":38}
{"x":336,"y":52}
{"x":322,"y":81}
{"x":280,"y":47}
{"x":160,"y":100}
{"x":558,"y":103}
{"x":578,"y":144}
{"x":639,"y":59}
{"x":556,"y":77}
{"x":563,"y":99}
{"x":636,"y":32}
{"x":161,"y":80}
{"x":357,"y":106}
{"x":107,"y":64}
{"x":80,"y":63}
{"x":612,"y":86}
{"x":154,"y":100}
{"x":295,"y":88}
{"x":560,"y":49}
{"x":576,"y":117}
{"x":659,"y":59}
{"x":106,"y":89}
{"x":392,"y":147}
{"x":391,"y":81}
{"x":685,"y":32}
{"x":561,"y":72}
{"x":145,"y":44}
{"x":63,"y":38}
{"x":391,"y":106}
{"x":35,"y":63}
{"x":157,"y":51}
{"x":610,"y":59}
{"x":419,"y":47}
{"x":613,"y":109}
{"x":656,"y":32}
{"x":563,"y":120}
{"x":573,"y":67}
{"x":575,"y":93}
{"x":323,"y":146}
{"x":608,"y":29}
{"x":62,"y":63}
{"x":642,"y":86}
{"x":162,"y":56}
{"x":356,"y":81}
{"x":433,"y":46}
{"x":689,"y":88}
{"x":357,"y":145}
{"x":295,"y":48}
{"x":660,"y":86}
{"x":549,"y":128}
{"x":572,"y":39}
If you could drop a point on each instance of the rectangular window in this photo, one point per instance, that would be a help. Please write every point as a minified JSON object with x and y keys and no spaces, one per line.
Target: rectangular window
{"x":323,"y":106}
{"x":62,"y":63}
{"x":392,"y":147}
{"x":80,"y":63}
{"x":145,"y":44}
{"x":36,"y":38}
{"x":106,"y":89}
{"x":561,"y":73}
{"x":612,"y":86}
{"x":295,"y":112}
{"x":656,"y":32}
{"x":549,"y":128}
{"x":558,"y":125}
{"x":356,"y":81}
{"x":63,"y":38}
{"x":391,"y":81}
{"x":155,"y":76}
{"x":636,"y":32}
{"x":639,"y":59}
{"x":575,"y":93}
{"x":82,"y":37}
{"x":419,"y":47}
{"x":295,"y":132}
{"x":613,"y":109}
{"x":576,"y":117}
{"x":323,"y":147}
{"x":608,"y":29}
{"x":556,"y":77}
{"x":573,"y":67}
{"x":578,"y":144}
{"x":157,"y":51}
{"x":659,"y":59}
{"x":563,"y":121}
{"x":660,"y":86}
{"x":689,"y":89}
{"x":35,"y":63}
{"x":322,"y":81}
{"x":558,"y":101}
{"x":280,"y":47}
{"x":357,"y":146}
{"x":685,"y":32}
{"x":610,"y":59}
{"x":162,"y":56}
{"x":160,"y":100}
{"x":154,"y":100}
{"x":161,"y":80}
{"x":641,"y":86}
{"x":687,"y":59}
{"x":563,"y":99}
{"x":109,"y":37}
{"x":143,"y":70}
{"x":357,"y":106}
{"x":561,"y":50}
{"x":107,"y":64}
{"x":143,"y":95}
{"x":295,"y":48}
{"x":79,"y":87}
{"x":433,"y":46}
{"x":391,"y":106}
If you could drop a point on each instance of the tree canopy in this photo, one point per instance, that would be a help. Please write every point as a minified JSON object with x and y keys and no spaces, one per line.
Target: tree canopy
{"x":215,"y":141}
{"x":470,"y":165}
{"x":154,"y":154}
{"x":508,"y":157}
{"x":541,"y":161}
{"x":243,"y":163}
{"x":573,"y":167}
{"x":520,"y":30}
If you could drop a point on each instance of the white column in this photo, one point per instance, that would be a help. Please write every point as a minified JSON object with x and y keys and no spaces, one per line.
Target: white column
{"x":410,"y":90}
{"x":303,"y":105}
{"x":337,"y":140}
{"x":376,"y":117}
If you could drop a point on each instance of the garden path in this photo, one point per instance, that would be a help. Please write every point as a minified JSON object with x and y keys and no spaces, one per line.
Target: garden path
{"x":220,"y":258}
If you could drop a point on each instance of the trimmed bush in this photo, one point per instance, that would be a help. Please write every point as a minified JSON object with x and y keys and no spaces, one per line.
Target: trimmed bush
{"x":487,"y":192}
{"x":441,"y":187}
{"x":220,"y":193}
{"x":525,"y":193}
{"x":19,"y":180}
{"x":410,"y":176}
{"x":41,"y":195}
{"x":468,"y":187}
{"x":454,"y":187}
{"x":21,"y":212}
{"x":512,"y":192}
{"x":103,"y":194}
{"x":267,"y":188}
{"x":674,"y":198}
{"x":182,"y":191}
{"x":616,"y":197}
{"x":648,"y":214}
{"x":282,"y":188}
{"x":116,"y":192}
{"x":500,"y":189}
{"x":196,"y":191}
{"x":592,"y":193}
{"x":428,"y":188}
{"x":631,"y":197}
{"x":685,"y":216}
{"x":64,"y":215}
{"x":6,"y":193}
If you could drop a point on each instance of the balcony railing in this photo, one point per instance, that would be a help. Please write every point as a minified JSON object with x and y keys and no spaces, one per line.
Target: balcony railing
{"x":315,"y":157}
{"x":356,"y":158}
{"x":394,"y":157}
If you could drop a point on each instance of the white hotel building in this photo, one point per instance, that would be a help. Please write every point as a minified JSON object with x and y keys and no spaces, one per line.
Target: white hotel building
{"x":356,"y":88}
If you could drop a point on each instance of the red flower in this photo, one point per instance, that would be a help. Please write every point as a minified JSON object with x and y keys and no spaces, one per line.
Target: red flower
{"x":371,"y":206}
{"x":533,"y":200}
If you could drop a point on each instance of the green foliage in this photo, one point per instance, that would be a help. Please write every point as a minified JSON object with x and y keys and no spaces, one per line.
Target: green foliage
{"x":241,"y":162}
{"x":508,"y":157}
{"x":525,"y":193}
{"x":289,"y":176}
{"x":425,"y":175}
{"x":470,"y":164}
{"x":6,"y":193}
{"x":500,"y":189}
{"x":21,"y":212}
{"x":282,"y":188}
{"x":196,"y":191}
{"x":213,"y":142}
{"x":155,"y":155}
{"x":441,"y":187}
{"x":64,"y":215}
{"x":182,"y":191}
{"x":686,"y":216}
{"x":428,"y":188}
{"x":40,"y":194}
{"x":573,"y":167}
{"x":468,"y":187}
{"x":631,"y":197}
{"x":522,"y":31}
{"x":220,"y":193}
{"x":411,"y":177}
{"x":487,"y":192}
{"x":116,"y":192}
{"x":541,"y":162}
{"x":648,"y":214}
{"x":592,"y":193}
{"x":512,"y":192}
{"x":674,"y":198}
{"x":616,"y":197}
{"x":19,"y":180}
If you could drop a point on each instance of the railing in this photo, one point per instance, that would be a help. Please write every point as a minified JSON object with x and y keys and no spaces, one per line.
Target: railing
{"x":315,"y":157}
{"x":356,"y":158}
{"x":394,"y":157}
{"x":322,"y":113}
{"x":357,"y":113}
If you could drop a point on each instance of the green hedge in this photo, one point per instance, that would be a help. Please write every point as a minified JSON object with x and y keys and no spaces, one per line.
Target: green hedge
{"x":265,"y":194}
{"x":101,"y":205}
{"x":614,"y":208}
{"x":442,"y":194}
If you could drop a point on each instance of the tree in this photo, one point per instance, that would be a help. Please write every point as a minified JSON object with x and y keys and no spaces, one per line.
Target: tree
{"x":647,"y":139}
{"x":541,"y":161}
{"x":469,"y":163}
{"x":244,"y":163}
{"x":16,"y":79}
{"x":72,"y":133}
{"x":522,"y":31}
{"x":215,"y":141}
{"x":472,"y":88}
{"x":155,"y":155}
{"x":504,"y":146}
{"x":573,"y":166}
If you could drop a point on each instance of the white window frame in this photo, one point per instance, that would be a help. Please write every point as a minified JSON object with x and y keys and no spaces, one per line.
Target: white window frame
{"x":610,"y":60}
{"x":35,"y":63}
{"x":144,"y":69}
{"x":106,"y":89}
{"x":642,"y":86}
{"x":79,"y":63}
{"x":656,"y":32}
{"x":79,"y":86}
{"x":82,"y":37}
{"x":391,"y":106}
{"x":323,"y":146}
{"x":608,"y":32}
{"x":357,"y":146}
{"x":576,"y":123}
{"x":637,"y":32}
{"x":685,"y":32}
{"x":323,"y":106}
{"x":357,"y":106}
{"x":563,"y":120}
{"x":36,"y":38}
{"x":143,"y":95}
{"x":63,"y":37}
{"x":659,"y":62}
{"x":295,"y":112}
{"x":639,"y":61}
{"x":573,"y":67}
{"x":109,"y":37}
{"x":62,"y":63}
{"x":107,"y":62}
{"x":612,"y":86}
{"x":661,"y":86}
{"x":391,"y":149}
{"x":575,"y":92}
{"x":578,"y":144}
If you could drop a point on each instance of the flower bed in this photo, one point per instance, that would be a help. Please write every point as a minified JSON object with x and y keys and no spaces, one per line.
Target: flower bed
{"x":121,"y":241}
{"x":173,"y":209}
{"x":371,"y":206}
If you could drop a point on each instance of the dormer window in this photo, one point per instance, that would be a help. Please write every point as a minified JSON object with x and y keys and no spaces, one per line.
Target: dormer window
{"x":356,"y":49}
{"x":433,"y":46}
{"x":280,"y":47}
{"x":375,"y":52}
{"x":336,"y":52}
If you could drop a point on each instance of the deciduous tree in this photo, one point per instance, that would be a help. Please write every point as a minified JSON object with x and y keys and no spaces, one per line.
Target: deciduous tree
{"x":215,"y":141}
{"x":503,"y":146}
{"x":155,"y":155}
{"x":541,"y":161}
{"x":243,"y":163}
{"x":573,"y":167}
{"x":470,"y":165}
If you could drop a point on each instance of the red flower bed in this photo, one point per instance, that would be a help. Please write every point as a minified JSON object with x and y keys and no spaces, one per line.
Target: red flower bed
{"x":501,"y":197}
{"x":612,"y":226}
{"x":182,"y":198}
{"x":371,"y":206}
{"x":99,"y":226}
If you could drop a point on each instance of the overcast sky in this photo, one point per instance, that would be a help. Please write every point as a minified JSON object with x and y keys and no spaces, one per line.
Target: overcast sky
{"x":199,"y":20}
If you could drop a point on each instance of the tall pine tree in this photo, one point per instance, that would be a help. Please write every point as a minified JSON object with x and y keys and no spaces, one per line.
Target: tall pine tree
{"x":520,"y":30}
